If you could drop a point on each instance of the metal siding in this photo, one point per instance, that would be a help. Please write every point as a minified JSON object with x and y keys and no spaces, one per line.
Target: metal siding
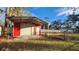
{"x":26,"y":29}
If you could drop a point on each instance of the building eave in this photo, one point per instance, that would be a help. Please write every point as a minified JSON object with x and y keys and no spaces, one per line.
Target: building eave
{"x":35,"y":19}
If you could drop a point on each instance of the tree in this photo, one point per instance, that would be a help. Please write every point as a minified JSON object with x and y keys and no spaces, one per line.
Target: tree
{"x":47,"y":19}
{"x":72,"y":16}
{"x":18,"y":11}
{"x":77,"y":29}
{"x":13,"y":11}
{"x":56,"y":24}
{"x":72,"y":19}
{"x":1,"y":11}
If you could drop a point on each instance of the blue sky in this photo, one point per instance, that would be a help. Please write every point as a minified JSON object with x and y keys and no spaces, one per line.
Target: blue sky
{"x":50,"y":12}
{"x":42,"y":12}
{"x":2,"y":16}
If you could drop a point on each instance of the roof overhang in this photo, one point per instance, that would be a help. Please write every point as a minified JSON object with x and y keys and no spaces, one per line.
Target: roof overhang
{"x":29,"y":19}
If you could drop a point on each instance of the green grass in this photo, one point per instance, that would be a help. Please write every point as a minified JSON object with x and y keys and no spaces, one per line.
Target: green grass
{"x":74,"y":35}
{"x":41,"y":44}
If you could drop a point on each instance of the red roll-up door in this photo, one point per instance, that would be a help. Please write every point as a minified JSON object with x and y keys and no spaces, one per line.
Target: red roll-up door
{"x":16,"y":31}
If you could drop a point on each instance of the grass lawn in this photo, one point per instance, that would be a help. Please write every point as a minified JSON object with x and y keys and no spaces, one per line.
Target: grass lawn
{"x":74,"y":35}
{"x":42,"y":44}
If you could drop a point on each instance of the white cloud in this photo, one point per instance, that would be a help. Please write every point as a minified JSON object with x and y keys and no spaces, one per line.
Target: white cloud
{"x":68,"y":11}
